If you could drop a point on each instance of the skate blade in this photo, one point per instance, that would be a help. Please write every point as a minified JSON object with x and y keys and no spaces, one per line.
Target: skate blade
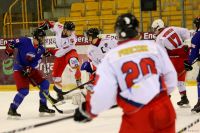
{"x":60,"y":103}
{"x":184,"y":106}
{"x":13,"y":117}
{"x":44,"y":114}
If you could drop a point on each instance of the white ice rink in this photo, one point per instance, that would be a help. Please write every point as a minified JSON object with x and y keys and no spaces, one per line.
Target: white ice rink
{"x":107,"y":122}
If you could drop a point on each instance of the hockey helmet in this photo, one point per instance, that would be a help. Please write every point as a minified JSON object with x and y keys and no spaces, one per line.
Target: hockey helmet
{"x":157,"y":24}
{"x":93,"y":32}
{"x":68,"y":25}
{"x":39,"y":34}
{"x":196,"y":21}
{"x":126,"y":26}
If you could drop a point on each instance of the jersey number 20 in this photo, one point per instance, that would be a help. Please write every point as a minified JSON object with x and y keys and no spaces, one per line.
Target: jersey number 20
{"x":133,"y":70}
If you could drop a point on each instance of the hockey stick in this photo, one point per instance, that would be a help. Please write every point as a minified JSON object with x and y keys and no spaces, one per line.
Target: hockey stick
{"x":189,"y":126}
{"x":46,"y":96}
{"x":38,"y":125}
{"x":78,"y":87}
{"x":45,"y":123}
{"x":45,"y":61}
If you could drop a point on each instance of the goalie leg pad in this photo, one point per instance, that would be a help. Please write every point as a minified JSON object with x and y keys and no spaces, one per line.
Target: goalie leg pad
{"x":78,"y":98}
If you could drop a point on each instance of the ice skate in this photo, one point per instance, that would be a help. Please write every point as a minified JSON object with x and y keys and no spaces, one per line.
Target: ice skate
{"x":12,"y":114}
{"x":184,"y":102}
{"x":196,"y":108}
{"x":45,"y":111}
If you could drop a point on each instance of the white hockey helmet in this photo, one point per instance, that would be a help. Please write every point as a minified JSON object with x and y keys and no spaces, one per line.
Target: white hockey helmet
{"x":157,"y":25}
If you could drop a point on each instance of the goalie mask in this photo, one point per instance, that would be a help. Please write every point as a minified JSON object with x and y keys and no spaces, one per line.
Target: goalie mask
{"x":196,"y":21}
{"x":126,"y":26}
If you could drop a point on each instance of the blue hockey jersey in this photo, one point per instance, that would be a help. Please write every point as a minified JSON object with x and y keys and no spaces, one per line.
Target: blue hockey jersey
{"x":194,"y":53}
{"x":27,"y":54}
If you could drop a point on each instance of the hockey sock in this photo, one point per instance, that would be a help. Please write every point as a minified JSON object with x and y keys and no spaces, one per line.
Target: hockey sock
{"x":44,"y":88}
{"x":19,"y":97}
{"x":57,"y":89}
{"x":198,"y":89}
{"x":181,"y":88}
{"x":77,"y":74}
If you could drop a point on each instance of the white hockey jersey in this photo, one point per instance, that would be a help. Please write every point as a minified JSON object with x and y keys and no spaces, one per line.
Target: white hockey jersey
{"x":173,"y":37}
{"x":96,"y":53}
{"x":133,"y":70}
{"x":66,"y":44}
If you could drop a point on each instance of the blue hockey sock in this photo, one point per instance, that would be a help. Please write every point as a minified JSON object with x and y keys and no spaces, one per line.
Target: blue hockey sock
{"x":44,"y":88}
{"x":19,"y":97}
{"x":198,"y":90}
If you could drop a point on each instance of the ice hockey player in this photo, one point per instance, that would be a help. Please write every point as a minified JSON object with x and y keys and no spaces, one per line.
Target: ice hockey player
{"x":97,"y":50}
{"x":65,"y":52}
{"x":137,"y":74}
{"x":194,"y":55}
{"x":25,"y":70}
{"x":171,"y":40}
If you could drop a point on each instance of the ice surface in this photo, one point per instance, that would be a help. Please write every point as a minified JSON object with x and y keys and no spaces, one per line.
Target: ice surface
{"x":107,"y":122}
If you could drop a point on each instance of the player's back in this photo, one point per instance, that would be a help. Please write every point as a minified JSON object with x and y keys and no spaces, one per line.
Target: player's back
{"x":173,"y":37}
{"x":138,"y":66}
{"x":97,"y":53}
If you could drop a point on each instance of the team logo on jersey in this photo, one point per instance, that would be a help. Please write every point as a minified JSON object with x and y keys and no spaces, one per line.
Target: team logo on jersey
{"x":30,"y":56}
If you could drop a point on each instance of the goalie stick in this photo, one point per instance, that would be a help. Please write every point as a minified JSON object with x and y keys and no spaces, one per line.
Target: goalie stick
{"x":78,"y":87}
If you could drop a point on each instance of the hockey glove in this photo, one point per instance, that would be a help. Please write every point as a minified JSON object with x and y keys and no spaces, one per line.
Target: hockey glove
{"x":46,"y":25}
{"x":49,"y":52}
{"x":81,"y":115}
{"x":187,"y":65}
{"x":89,"y":87}
{"x":26,"y":72}
{"x":79,"y":83}
{"x":9,"y":48}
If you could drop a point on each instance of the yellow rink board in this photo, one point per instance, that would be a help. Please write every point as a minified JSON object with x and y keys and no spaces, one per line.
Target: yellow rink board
{"x":66,"y":87}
